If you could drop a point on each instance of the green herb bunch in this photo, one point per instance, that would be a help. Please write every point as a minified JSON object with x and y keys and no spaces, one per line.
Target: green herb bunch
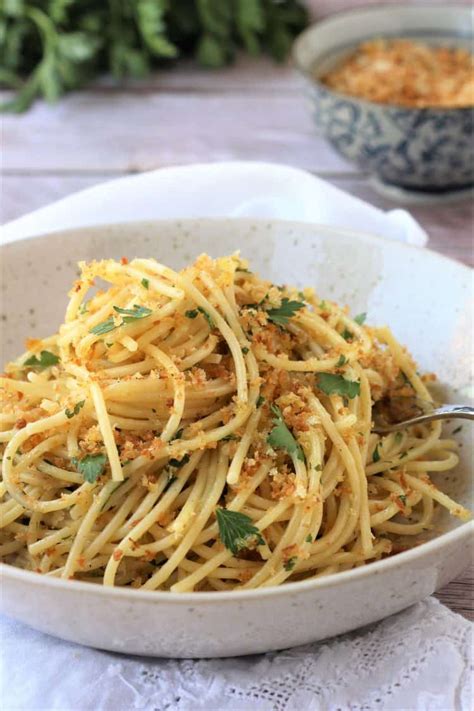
{"x":48,"y":47}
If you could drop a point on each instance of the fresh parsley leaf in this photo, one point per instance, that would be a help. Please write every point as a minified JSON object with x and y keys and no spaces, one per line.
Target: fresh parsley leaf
{"x":309,"y":538}
{"x":192,"y":313}
{"x":301,"y":296}
{"x":130,"y":315}
{"x":403,"y":498}
{"x":104,"y":327}
{"x":91,"y":466}
{"x":45,"y":360}
{"x":146,"y":283}
{"x":376,"y":455}
{"x":398,"y":437}
{"x":245,"y":350}
{"x":290,"y":563}
{"x":177,"y":435}
{"x":347,"y":335}
{"x":281,"y":438}
{"x":342,"y":361}
{"x":75,"y":409}
{"x":207,"y":316}
{"x":229,"y":438}
{"x":260,"y":401}
{"x":337,"y":385}
{"x":458,"y":429}
{"x":236,"y":530}
{"x":360,"y":318}
{"x":281,"y":315}
{"x":318,"y":468}
{"x":178,"y":463}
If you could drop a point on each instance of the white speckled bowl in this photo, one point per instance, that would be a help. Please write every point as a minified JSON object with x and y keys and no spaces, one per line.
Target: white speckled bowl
{"x":423,"y":296}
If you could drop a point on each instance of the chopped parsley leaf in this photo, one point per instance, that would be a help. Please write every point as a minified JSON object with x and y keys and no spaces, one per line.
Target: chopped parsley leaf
{"x":178,"y":463}
{"x":281,"y":438}
{"x":146,"y":283}
{"x":290,"y":563}
{"x":260,"y":401}
{"x":405,"y":378}
{"x":236,"y":530}
{"x":281,"y":315}
{"x":171,"y":480}
{"x":207,"y":316}
{"x":360,"y":318}
{"x":192,"y":313}
{"x":337,"y":385}
{"x":245,"y":350}
{"x":229,"y":438}
{"x":104,"y":327}
{"x":309,"y":538}
{"x":458,"y":429}
{"x":342,"y":361}
{"x":130,"y":315}
{"x":398,"y":437}
{"x":347,"y":335}
{"x":45,"y":360}
{"x":403,"y":498}
{"x":403,"y":454}
{"x":318,"y":468}
{"x":75,"y":409}
{"x":376,"y":454}
{"x":177,"y":435}
{"x":90,"y":466}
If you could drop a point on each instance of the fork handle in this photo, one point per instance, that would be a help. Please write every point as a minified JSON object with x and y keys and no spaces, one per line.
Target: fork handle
{"x":445,"y":412}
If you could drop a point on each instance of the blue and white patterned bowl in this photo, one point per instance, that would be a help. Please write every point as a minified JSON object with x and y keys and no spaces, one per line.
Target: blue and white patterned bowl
{"x":426,"y":150}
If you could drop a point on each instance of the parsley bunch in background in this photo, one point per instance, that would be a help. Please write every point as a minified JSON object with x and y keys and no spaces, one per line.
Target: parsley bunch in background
{"x":48,"y":47}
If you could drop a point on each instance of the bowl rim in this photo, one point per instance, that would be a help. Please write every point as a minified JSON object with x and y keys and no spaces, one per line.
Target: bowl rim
{"x":243,"y":220}
{"x":436,"y":545}
{"x":443,"y":540}
{"x":377,"y":10}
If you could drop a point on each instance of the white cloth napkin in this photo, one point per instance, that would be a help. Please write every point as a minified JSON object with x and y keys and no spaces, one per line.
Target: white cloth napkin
{"x":238,"y":189}
{"x":418,"y":659}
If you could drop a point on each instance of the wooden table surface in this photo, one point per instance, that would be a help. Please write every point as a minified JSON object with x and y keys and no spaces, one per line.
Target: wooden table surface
{"x":253,"y":110}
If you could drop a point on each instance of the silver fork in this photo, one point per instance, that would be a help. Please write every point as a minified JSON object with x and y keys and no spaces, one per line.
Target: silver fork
{"x":444,"y":412}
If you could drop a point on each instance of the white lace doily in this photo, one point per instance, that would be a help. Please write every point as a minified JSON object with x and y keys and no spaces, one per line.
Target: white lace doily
{"x":419,"y":659}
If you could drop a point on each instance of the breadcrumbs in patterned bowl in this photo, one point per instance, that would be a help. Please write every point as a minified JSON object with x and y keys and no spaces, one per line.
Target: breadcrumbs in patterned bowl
{"x":403,"y":72}
{"x":392,"y":89}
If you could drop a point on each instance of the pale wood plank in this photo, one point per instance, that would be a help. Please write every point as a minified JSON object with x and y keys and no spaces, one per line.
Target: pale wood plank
{"x":459,"y":594}
{"x":104,"y":131}
{"x":21,"y":194}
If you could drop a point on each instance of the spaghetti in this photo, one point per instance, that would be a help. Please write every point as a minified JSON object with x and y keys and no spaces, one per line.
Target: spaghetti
{"x":208,"y":430}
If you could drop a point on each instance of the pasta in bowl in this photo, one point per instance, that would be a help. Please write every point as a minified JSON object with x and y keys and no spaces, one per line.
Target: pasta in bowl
{"x":209,"y":430}
{"x":206,"y":434}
